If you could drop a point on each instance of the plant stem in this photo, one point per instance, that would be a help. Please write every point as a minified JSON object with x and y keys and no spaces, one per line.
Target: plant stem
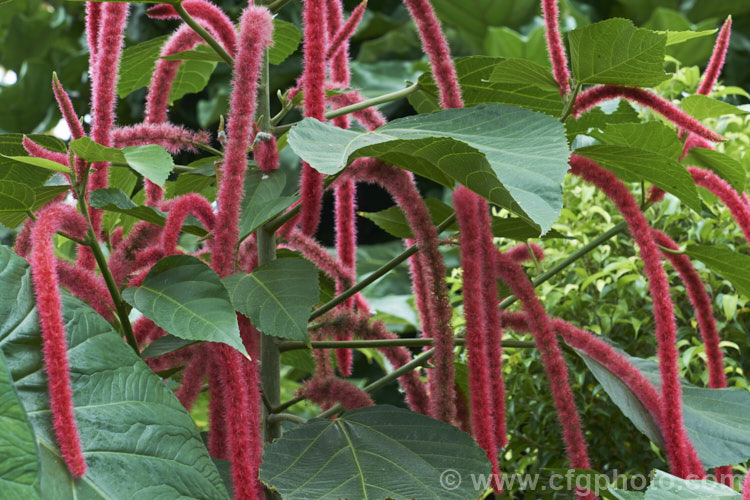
{"x":276,"y":5}
{"x":203,"y":33}
{"x":569,"y":105}
{"x":284,"y":217}
{"x":280,"y":417}
{"x":383,"y":270}
{"x":393,"y":96}
{"x":425,"y":357}
{"x":401,"y":342}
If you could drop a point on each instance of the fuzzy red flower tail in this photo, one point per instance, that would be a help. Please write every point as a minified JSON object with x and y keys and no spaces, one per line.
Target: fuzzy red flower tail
{"x":344,"y":33}
{"x":179,"y":209}
{"x":675,"y":437}
{"x":208,"y":14}
{"x":55,"y":218}
{"x":595,"y":95}
{"x":555,"y":47}
{"x":173,"y":138}
{"x":731,"y":198}
{"x":38,"y":151}
{"x":327,"y":391}
{"x":265,"y":152}
{"x":716,"y":63}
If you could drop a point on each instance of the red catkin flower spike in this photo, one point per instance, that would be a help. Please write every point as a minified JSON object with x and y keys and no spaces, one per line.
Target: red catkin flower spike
{"x":265,"y":152}
{"x":713,"y":70}
{"x":255,"y":36}
{"x":555,"y":47}
{"x":93,"y":20}
{"x":51,"y":219}
{"x":327,"y":391}
{"x":122,"y":260}
{"x":477,"y":335}
{"x":675,"y":436}
{"x":520,"y":253}
{"x":436,"y":47}
{"x":87,"y":286}
{"x":208,"y":14}
{"x":66,"y":109}
{"x":318,"y":255}
{"x":596,"y":95}
{"x":746,"y":487}
{"x":731,"y":198}
{"x":343,"y":33}
{"x":179,"y":209}
{"x":38,"y":151}
{"x":173,"y":138}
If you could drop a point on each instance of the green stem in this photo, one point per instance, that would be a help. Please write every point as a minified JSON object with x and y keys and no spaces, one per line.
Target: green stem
{"x":203,"y":34}
{"x":278,"y":4}
{"x":393,"y":96}
{"x":280,"y":417}
{"x":380,"y":343}
{"x":207,"y":148}
{"x":382,"y":271}
{"x":569,"y":105}
{"x":284,"y":217}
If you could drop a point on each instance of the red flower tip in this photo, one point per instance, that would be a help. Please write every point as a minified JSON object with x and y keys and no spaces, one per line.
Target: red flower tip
{"x":179,"y":209}
{"x":731,"y":198}
{"x":520,"y":253}
{"x":717,"y":59}
{"x":265,"y":152}
{"x":209,"y":15}
{"x":345,"y":32}
{"x":66,"y":108}
{"x":555,"y":46}
{"x":38,"y":151}
{"x":327,"y":391}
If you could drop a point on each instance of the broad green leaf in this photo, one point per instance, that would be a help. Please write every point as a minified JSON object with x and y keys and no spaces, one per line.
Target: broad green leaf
{"x":615,"y":51}
{"x":115,"y":200}
{"x":473,"y":19}
{"x":12,"y":145}
{"x":19,"y":468}
{"x":191,"y":77}
{"x":137,"y":65}
{"x":675,"y":37}
{"x":731,"y":265}
{"x":299,"y":359}
{"x":717,"y":420}
{"x":151,"y":161}
{"x":702,"y":106}
{"x":15,"y":197}
{"x":601,"y":117}
{"x":626,"y":494}
{"x":40,"y":162}
{"x":488,"y":148}
{"x":42,"y":196}
{"x":518,"y":229}
{"x":522,"y":71}
{"x":277,"y":296}
{"x":136,"y":436}
{"x":633,"y":165}
{"x":185,"y":297}
{"x":393,"y":221}
{"x":501,"y":41}
{"x":262,"y":199}
{"x":665,"y":486}
{"x":373,"y":453}
{"x":200,"y":53}
{"x":85,"y":148}
{"x":286,"y":38}
{"x":473,"y":75}
{"x":720,"y":163}
{"x":654,"y":137}
{"x":163,"y":345}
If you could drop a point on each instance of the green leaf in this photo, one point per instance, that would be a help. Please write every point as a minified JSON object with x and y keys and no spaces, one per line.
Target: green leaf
{"x":137,"y":65}
{"x":151,"y":161}
{"x":717,"y":420}
{"x":501,"y":41}
{"x":615,"y":51}
{"x":633,"y":165}
{"x":731,"y":265}
{"x":262,"y":199}
{"x":133,"y":429}
{"x":192,"y":76}
{"x":200,"y":53}
{"x":40,"y":162}
{"x":665,"y":486}
{"x":720,"y":163}
{"x":654,"y":137}
{"x":518,"y":229}
{"x":599,"y":119}
{"x":371,"y":453}
{"x":42,"y":196}
{"x":185,"y":297}
{"x":701,"y":106}
{"x":15,"y":197}
{"x":286,"y":38}
{"x":19,"y":468}
{"x":393,"y":221}
{"x":86,"y":149}
{"x":166,"y":344}
{"x":675,"y":37}
{"x":489,"y":148}
{"x":523,"y":71}
{"x":277,"y":296}
{"x":473,"y":76}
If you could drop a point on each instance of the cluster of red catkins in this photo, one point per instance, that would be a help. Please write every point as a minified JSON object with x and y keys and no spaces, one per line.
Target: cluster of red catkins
{"x":235,"y":412}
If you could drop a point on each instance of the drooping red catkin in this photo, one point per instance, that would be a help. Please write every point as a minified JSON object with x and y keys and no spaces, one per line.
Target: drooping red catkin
{"x":341,"y":34}
{"x":182,"y":206}
{"x":541,"y":327}
{"x":520,"y":253}
{"x":478,"y":336}
{"x":22,"y":245}
{"x":370,"y":118}
{"x":192,"y":381}
{"x":93,"y":20}
{"x":122,"y":260}
{"x":87,"y":286}
{"x":313,"y":85}
{"x":145,"y":330}
{"x":318,"y":255}
{"x":255,"y":36}
{"x":722,"y":190}
{"x":595,"y":95}
{"x":327,"y":391}
{"x":555,"y":47}
{"x":717,"y":59}
{"x":344,"y":191}
{"x":436,"y":47}
{"x":428,"y":271}
{"x":208,"y":14}
{"x":59,"y":217}
{"x":173,"y":138}
{"x":265,"y":153}
{"x":675,"y":436}
{"x":703,"y":311}
{"x":38,"y":151}
{"x":746,"y":487}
